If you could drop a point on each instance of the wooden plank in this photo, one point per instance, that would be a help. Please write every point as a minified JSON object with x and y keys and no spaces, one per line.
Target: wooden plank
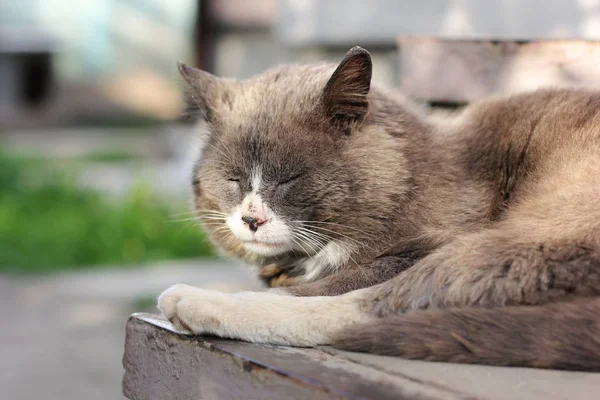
{"x":461,"y":71}
{"x":161,"y":364}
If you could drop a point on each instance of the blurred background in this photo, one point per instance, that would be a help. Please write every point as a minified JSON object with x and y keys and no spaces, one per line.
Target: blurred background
{"x":95,"y":159}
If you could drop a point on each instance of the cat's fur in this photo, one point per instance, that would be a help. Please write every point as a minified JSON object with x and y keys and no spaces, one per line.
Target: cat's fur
{"x":480,"y":232}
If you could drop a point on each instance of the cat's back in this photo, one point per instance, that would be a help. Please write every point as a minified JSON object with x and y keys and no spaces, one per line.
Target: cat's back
{"x":556,"y":117}
{"x":520,"y":143}
{"x":527,"y":129}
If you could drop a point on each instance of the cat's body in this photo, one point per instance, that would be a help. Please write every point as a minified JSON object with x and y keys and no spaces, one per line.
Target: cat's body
{"x":494,"y":213}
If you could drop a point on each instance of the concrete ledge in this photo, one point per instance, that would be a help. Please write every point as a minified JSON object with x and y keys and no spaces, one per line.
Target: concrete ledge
{"x":162,"y":364}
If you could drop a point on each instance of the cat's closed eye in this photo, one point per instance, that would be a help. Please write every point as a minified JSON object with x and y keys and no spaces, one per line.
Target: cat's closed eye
{"x":234,"y":183}
{"x":290,"y":179}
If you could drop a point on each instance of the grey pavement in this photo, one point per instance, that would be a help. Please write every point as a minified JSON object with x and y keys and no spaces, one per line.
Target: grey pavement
{"x":62,"y":336}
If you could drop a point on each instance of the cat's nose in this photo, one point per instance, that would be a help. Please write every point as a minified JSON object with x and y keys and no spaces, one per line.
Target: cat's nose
{"x":253,"y":222}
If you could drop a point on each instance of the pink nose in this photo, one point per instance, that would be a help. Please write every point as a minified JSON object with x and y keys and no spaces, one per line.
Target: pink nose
{"x":253,"y":222}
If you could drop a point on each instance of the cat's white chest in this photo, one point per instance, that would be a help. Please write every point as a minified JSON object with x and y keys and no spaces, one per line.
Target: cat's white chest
{"x":334,"y":255}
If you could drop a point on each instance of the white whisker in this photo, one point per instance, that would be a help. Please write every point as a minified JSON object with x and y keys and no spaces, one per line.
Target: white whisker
{"x":315,"y":244}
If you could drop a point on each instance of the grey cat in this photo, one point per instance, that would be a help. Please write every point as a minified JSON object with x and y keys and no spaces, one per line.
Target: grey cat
{"x":474,"y":238}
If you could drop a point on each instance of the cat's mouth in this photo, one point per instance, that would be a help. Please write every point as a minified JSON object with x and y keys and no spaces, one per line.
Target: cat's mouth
{"x":266,"y":248}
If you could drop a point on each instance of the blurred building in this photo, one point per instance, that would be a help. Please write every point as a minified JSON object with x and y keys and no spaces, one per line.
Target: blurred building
{"x":64,"y":61}
{"x":247,"y":36}
{"x":242,"y":38}
{"x":68,"y":62}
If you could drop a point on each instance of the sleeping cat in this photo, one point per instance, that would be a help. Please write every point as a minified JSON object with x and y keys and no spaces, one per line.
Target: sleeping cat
{"x":469,"y":239}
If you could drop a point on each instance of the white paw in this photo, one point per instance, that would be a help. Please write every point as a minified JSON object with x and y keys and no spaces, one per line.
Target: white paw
{"x":191,"y":310}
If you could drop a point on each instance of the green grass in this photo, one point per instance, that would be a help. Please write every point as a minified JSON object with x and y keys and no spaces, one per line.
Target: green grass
{"x":109,"y":156}
{"x":101,"y":156}
{"x":49,"y":223}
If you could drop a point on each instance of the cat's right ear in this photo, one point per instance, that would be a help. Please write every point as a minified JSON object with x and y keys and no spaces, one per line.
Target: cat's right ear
{"x":202,"y":87}
{"x":345,"y":94}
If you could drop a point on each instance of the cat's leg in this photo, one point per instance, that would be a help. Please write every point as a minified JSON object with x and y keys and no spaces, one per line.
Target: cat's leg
{"x":351,"y":276}
{"x":276,"y":275}
{"x":275,"y":316}
{"x":491,"y":268}
{"x":354,"y":277}
{"x":264,"y":317}
{"x":495,"y":267}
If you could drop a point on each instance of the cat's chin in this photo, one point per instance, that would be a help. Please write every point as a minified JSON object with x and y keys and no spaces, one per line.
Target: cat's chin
{"x":266,"y":249}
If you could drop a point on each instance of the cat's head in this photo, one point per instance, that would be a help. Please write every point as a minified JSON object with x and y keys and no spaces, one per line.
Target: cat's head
{"x":276,"y":175}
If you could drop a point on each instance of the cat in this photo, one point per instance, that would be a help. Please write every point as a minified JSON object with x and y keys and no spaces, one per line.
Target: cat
{"x":473,"y":238}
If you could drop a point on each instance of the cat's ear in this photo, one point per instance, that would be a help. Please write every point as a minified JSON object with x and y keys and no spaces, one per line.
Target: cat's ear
{"x":202,"y":89}
{"x":345,"y":94}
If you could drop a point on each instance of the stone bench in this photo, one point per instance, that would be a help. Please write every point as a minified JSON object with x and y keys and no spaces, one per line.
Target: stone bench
{"x":161,"y":364}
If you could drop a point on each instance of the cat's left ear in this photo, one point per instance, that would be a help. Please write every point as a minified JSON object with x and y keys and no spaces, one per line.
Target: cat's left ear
{"x":345,"y":94}
{"x":203,"y":89}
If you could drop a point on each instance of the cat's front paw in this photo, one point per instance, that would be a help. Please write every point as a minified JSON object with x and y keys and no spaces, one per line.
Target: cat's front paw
{"x":190,"y":310}
{"x":260,"y":317}
{"x":275,"y":276}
